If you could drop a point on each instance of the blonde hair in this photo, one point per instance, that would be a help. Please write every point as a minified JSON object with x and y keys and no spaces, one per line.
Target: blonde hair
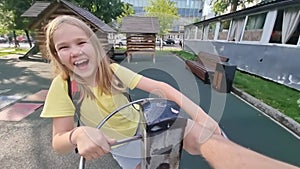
{"x":108,"y":82}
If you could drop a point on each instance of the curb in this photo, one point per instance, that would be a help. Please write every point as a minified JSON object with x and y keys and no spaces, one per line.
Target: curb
{"x":270,"y":111}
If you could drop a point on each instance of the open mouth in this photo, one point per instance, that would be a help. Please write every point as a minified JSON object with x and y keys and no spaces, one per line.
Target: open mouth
{"x":81,"y":63}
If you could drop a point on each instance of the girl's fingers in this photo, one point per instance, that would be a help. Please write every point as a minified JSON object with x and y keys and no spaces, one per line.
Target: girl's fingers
{"x":95,"y":143}
{"x":100,"y":152}
{"x":110,"y":140}
{"x":91,"y":156}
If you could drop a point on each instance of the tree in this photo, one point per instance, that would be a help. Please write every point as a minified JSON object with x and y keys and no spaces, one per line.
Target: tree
{"x":127,"y":10}
{"x":105,"y":10}
{"x":11,"y":11}
{"x":12,"y":18}
{"x":6,"y":19}
{"x":220,"y":6}
{"x":166,"y":11}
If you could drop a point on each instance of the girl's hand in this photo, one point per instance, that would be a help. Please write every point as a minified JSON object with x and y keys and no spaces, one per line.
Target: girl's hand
{"x":91,"y":142}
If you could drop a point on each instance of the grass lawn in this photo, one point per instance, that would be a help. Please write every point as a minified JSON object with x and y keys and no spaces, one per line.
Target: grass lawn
{"x":8,"y":51}
{"x":280,"y":97}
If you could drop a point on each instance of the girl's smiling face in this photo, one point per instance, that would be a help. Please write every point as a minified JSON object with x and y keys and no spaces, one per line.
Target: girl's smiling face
{"x":75,"y":51}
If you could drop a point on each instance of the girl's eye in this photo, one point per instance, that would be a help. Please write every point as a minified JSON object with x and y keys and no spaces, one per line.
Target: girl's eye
{"x":82,"y":42}
{"x":62,"y":47}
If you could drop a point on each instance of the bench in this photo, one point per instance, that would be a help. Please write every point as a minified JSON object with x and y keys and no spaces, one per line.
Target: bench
{"x":205,"y":65}
{"x":140,"y":44}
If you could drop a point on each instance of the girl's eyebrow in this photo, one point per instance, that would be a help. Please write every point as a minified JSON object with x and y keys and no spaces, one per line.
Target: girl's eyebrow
{"x":82,"y":38}
{"x":74,"y":40}
{"x":59,"y":44}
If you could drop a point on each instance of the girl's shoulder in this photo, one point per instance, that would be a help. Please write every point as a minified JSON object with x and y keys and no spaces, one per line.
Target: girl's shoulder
{"x":59,"y":79}
{"x":114,"y":66}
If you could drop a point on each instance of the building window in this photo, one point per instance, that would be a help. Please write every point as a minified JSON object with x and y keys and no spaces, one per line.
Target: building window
{"x":187,"y":33}
{"x":223,"y":31}
{"x":277,"y":29}
{"x":199,"y":32}
{"x":211,"y":30}
{"x":193,"y":32}
{"x":287,"y":28}
{"x":236,"y":29}
{"x":254,"y":27}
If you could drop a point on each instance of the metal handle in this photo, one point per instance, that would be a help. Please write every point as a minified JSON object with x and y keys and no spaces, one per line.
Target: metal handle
{"x":126,"y":140}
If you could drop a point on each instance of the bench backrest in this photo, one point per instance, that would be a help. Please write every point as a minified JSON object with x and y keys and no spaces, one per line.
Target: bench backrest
{"x":210,"y":60}
{"x":141,"y":43}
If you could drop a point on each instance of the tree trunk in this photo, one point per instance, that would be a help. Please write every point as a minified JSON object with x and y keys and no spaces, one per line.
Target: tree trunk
{"x":15,"y":39}
{"x":233,"y":5}
{"x":28,"y":38}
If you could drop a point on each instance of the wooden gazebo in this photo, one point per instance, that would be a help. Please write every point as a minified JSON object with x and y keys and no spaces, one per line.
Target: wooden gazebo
{"x":140,"y":34}
{"x":43,"y":12}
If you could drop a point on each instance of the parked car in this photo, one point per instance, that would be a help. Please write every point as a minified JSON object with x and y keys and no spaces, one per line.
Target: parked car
{"x":24,"y":39}
{"x":121,"y":42}
{"x":170,"y":41}
{"x":3,"y":40}
{"x":157,"y":42}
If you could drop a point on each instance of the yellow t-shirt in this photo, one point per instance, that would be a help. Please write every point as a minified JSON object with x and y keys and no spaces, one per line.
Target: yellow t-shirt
{"x":121,"y":125}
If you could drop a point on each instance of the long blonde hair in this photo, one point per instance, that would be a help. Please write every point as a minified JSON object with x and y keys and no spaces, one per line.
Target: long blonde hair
{"x":105,"y":79}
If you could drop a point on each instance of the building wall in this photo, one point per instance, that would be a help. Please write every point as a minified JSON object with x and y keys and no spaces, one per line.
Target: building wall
{"x":186,"y":8}
{"x":189,"y":11}
{"x":273,"y":62}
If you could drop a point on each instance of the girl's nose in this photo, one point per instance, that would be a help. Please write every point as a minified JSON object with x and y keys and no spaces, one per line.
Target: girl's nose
{"x":76,"y":52}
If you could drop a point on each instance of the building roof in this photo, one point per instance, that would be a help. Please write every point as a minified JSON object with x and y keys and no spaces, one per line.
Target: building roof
{"x":37,"y":9}
{"x":263,"y":6}
{"x":268,"y":1}
{"x":139,"y":24}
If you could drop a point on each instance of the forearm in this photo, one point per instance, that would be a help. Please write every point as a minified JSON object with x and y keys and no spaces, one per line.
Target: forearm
{"x":61,"y":142}
{"x":222,"y":153}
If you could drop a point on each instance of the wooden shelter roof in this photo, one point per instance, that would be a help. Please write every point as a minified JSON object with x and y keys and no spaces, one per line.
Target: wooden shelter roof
{"x":36,"y":9}
{"x":139,"y":24}
{"x":40,"y":9}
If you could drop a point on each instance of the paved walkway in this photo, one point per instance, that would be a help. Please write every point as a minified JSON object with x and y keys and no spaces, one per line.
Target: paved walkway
{"x":27,"y":143}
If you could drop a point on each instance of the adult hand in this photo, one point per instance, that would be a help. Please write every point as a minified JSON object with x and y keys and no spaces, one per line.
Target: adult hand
{"x":197,"y":134}
{"x":91,"y":142}
{"x":206,"y":121}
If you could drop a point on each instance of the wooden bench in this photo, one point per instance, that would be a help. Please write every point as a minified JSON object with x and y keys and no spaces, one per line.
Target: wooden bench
{"x":140,"y":44}
{"x":205,"y":65}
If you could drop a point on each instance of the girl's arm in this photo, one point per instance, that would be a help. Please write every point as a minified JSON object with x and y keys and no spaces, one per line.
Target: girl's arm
{"x":61,"y":131}
{"x":166,"y":91}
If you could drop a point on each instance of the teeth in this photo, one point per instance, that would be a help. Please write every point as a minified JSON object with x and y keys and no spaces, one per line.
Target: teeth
{"x":80,"y":62}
